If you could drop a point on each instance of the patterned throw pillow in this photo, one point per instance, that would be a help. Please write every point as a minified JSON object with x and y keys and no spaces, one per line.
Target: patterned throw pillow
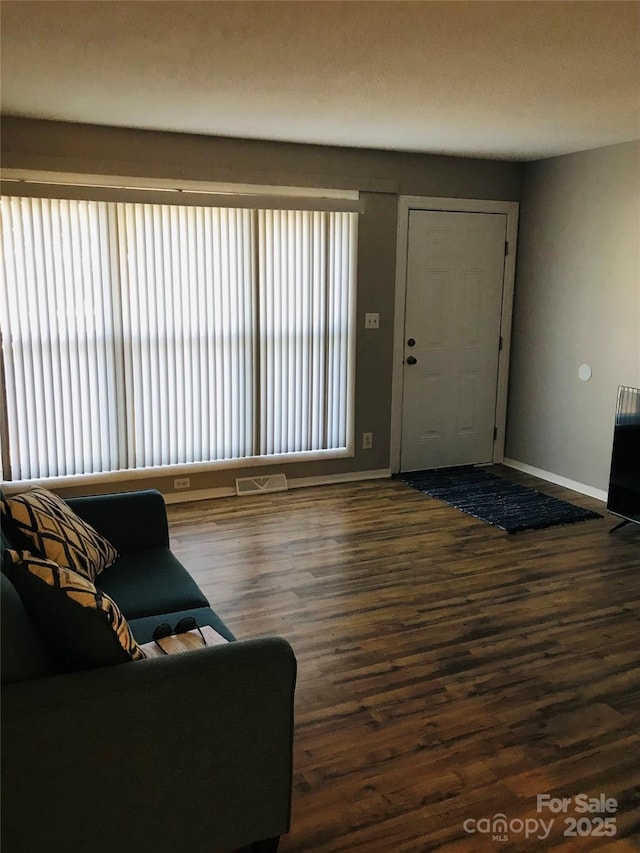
{"x":81,"y":625}
{"x":45,"y":525}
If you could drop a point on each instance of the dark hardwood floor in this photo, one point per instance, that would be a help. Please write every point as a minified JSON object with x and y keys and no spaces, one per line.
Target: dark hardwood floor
{"x":447,"y":670}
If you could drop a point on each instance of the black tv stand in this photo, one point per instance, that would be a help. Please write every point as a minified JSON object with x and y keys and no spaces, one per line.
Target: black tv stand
{"x":621,"y":524}
{"x":623,"y":498}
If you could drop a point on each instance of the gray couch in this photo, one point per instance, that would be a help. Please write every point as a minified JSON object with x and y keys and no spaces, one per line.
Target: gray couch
{"x":189,"y":752}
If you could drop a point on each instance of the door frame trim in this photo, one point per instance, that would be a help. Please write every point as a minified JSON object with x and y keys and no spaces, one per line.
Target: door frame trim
{"x":407,"y":203}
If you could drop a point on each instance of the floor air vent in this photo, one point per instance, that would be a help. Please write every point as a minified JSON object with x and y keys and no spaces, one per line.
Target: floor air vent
{"x":261,"y":485}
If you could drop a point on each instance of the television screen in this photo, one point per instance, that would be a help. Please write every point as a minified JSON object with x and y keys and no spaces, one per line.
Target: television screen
{"x":624,"y":480}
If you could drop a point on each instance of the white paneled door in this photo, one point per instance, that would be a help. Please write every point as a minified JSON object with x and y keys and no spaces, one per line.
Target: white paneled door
{"x":455,"y":269}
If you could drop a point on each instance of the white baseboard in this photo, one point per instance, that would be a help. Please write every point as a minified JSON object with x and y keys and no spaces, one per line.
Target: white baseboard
{"x":198,"y":495}
{"x":347,"y":477}
{"x":550,"y":477}
{"x":297,"y":483}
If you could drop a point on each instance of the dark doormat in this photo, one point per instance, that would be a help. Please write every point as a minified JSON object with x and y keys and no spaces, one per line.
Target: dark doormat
{"x":496,"y":500}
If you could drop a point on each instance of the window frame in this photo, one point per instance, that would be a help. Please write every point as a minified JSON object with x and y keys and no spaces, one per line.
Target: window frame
{"x":200,"y":194}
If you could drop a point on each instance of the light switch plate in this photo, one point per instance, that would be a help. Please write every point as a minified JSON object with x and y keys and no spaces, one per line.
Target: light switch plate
{"x":372,"y":321}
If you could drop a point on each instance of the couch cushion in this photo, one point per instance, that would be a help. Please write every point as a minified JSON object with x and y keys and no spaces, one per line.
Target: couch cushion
{"x":6,"y":544}
{"x":44,"y":524}
{"x":81,"y":625}
{"x":24,"y":654}
{"x":144,"y":583}
{"x":142,"y":629}
{"x":131,"y":521}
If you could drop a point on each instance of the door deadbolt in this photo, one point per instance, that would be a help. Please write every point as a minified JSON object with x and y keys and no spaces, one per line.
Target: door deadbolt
{"x":412,"y":360}
{"x":411,"y":342}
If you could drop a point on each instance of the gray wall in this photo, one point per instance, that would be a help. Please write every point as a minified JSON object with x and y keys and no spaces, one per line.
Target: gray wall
{"x":577,"y":299}
{"x":380,"y":175}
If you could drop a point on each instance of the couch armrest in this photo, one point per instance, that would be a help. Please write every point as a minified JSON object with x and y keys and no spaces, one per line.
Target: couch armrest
{"x":188,"y":752}
{"x":129,"y":520}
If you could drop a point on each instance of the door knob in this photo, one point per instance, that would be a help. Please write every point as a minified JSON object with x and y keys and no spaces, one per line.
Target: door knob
{"x":412,"y":360}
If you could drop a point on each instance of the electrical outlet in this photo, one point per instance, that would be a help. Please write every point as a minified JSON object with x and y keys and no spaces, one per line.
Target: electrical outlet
{"x":367,"y":440}
{"x":372,"y":321}
{"x":182,"y":483}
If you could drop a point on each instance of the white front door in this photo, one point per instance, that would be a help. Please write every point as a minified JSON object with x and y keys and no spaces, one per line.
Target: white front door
{"x":455,"y":270}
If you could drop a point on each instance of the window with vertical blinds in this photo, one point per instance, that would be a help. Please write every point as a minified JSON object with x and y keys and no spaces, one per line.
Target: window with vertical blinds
{"x":144,"y":335}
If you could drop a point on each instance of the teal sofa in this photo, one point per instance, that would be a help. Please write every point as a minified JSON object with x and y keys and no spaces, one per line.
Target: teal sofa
{"x":188,"y":752}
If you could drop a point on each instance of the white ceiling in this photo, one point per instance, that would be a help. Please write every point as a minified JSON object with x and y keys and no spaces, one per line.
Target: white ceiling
{"x":507,"y":80}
